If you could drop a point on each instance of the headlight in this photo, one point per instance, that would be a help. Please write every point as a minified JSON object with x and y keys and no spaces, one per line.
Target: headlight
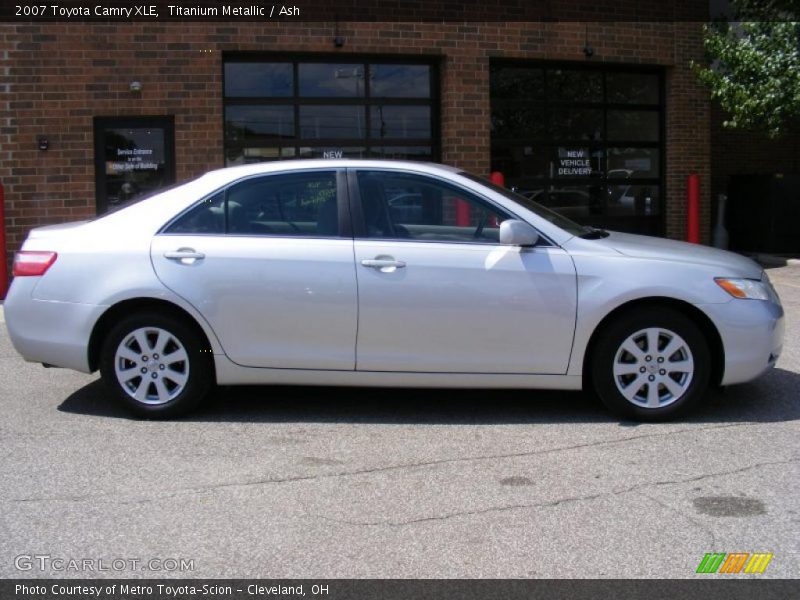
{"x":750,"y":289}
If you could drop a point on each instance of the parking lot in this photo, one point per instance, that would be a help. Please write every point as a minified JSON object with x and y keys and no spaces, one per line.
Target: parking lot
{"x":323,"y":483}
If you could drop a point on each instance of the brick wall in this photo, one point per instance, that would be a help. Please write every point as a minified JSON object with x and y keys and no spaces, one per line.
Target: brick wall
{"x":56,"y":77}
{"x":738,"y":152}
{"x":688,"y":143}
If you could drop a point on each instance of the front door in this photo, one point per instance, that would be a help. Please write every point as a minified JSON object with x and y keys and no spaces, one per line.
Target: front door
{"x":264,"y":261}
{"x":439,"y":293}
{"x":134,"y":157}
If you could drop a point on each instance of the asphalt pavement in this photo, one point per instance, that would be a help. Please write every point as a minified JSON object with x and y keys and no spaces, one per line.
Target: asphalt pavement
{"x":338,"y":483}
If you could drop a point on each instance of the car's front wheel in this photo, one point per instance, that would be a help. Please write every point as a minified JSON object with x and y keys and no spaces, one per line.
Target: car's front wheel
{"x":651,"y":364}
{"x":157,"y":365}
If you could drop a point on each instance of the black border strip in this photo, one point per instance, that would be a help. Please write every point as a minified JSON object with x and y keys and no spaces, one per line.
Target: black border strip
{"x":357,"y":10}
{"x":712,"y":588}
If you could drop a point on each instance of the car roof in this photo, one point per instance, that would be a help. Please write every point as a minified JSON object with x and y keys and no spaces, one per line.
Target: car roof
{"x":233,"y":173}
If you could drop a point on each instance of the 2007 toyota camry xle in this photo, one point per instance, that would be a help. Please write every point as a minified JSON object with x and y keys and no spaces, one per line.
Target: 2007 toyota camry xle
{"x":383,"y":273}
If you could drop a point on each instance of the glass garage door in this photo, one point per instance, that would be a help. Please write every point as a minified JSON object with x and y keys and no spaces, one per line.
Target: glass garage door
{"x":586,"y":141}
{"x":317,"y":108}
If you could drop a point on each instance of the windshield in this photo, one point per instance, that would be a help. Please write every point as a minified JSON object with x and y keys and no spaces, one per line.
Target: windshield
{"x":542,"y":211}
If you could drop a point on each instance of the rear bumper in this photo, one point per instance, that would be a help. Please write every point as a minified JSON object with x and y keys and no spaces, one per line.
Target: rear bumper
{"x":752,"y":336}
{"x":56,"y":333}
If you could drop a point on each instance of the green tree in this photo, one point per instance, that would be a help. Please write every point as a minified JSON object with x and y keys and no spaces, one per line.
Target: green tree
{"x":754,"y":65}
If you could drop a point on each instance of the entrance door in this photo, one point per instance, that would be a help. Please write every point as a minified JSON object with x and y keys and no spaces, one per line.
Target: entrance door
{"x":133,"y":156}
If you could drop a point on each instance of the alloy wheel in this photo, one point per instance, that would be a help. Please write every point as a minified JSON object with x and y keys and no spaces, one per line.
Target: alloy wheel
{"x":653,"y":367}
{"x":151,"y":365}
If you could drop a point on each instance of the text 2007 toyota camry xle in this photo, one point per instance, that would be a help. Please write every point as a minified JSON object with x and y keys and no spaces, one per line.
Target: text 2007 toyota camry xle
{"x":383,"y":273}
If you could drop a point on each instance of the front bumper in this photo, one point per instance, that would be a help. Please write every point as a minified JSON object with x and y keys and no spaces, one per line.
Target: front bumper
{"x":752,"y":336}
{"x":55,"y":333}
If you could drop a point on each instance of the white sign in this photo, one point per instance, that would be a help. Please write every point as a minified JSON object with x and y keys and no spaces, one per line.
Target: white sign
{"x":574,"y":162}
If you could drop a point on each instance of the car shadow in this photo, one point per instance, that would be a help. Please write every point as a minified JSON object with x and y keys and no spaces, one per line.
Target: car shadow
{"x":773,"y":398}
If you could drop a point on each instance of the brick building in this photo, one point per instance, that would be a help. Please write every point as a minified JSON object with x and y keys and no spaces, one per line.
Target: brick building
{"x":99,"y":112}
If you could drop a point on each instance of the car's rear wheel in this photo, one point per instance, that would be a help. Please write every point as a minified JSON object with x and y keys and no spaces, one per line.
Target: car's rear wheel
{"x":157,"y":365}
{"x":651,"y":364}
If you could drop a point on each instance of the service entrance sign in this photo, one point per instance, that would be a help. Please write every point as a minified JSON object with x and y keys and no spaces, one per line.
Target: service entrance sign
{"x":134,"y":156}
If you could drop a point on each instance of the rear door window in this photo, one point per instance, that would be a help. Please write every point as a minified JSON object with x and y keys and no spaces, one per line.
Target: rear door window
{"x":292,"y":204}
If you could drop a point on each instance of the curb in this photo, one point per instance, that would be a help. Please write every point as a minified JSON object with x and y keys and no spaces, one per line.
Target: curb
{"x":771,"y":260}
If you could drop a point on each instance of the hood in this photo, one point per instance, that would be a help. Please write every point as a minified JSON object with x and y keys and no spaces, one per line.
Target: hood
{"x":642,"y":246}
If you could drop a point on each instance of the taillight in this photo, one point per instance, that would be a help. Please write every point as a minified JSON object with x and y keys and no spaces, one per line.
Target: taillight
{"x":33,"y":264}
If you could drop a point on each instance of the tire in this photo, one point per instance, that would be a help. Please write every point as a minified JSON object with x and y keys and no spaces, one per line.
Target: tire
{"x":153,"y":385}
{"x":636,"y":382}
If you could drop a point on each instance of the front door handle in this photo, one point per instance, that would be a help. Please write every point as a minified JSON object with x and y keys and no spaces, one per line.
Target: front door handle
{"x":186,"y":256}
{"x":384,"y":264}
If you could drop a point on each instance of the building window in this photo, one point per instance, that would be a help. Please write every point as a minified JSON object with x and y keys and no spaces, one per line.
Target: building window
{"x":586,"y":141}
{"x":277,"y":109}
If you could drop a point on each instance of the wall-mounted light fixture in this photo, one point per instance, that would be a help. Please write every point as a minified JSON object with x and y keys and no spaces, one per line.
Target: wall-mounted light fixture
{"x":135,"y":87}
{"x":338,"y":40}
{"x":43,"y":143}
{"x":588,"y":51}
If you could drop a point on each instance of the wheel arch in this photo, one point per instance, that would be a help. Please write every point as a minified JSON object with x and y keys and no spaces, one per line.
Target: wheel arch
{"x":698,"y":317}
{"x":130,"y":306}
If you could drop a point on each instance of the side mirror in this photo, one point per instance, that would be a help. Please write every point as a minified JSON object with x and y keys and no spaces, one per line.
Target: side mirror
{"x":518,"y":233}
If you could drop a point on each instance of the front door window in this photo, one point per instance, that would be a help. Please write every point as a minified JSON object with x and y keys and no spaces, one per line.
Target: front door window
{"x":406,"y":206}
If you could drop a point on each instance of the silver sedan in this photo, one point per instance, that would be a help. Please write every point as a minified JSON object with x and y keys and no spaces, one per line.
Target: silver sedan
{"x":383,"y":273}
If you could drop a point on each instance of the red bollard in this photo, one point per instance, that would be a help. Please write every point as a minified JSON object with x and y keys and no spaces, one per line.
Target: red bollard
{"x":497,"y":178}
{"x":462,"y":213}
{"x":693,"y":208}
{"x":3,"y":254}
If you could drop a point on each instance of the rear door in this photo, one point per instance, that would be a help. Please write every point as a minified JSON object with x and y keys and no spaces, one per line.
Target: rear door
{"x":269,"y":263}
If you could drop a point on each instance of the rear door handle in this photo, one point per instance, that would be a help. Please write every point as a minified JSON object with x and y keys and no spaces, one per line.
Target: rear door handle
{"x":386,"y":265}
{"x":186,"y":256}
